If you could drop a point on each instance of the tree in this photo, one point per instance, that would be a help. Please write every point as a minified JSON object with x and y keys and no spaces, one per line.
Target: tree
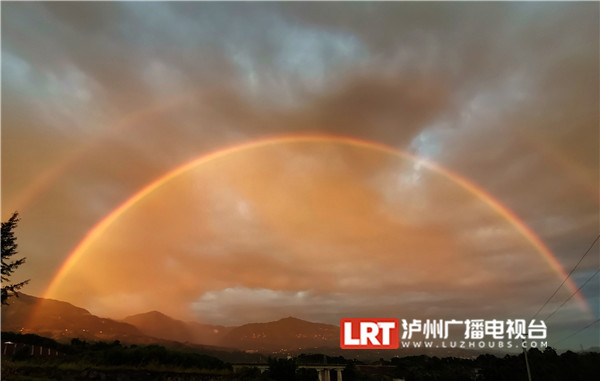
{"x":9,"y":248}
{"x":282,"y":369}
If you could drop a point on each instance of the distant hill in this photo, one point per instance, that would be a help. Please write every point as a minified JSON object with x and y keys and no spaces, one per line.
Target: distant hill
{"x":282,"y":335}
{"x":157,"y":324}
{"x":285,"y":334}
{"x":63,"y":321}
{"x":60,"y":320}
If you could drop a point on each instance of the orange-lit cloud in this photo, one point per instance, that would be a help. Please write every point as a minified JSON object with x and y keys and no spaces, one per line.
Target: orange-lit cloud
{"x":306,"y":218}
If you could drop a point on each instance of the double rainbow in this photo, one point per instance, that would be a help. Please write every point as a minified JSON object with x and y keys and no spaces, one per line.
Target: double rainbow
{"x":96,"y":232}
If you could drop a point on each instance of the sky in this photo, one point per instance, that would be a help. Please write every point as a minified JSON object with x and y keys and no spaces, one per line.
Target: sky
{"x":349,"y":159}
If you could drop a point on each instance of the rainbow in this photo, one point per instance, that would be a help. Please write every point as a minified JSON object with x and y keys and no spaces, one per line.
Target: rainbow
{"x":27,"y":198}
{"x":563,"y":163}
{"x":96,"y":232}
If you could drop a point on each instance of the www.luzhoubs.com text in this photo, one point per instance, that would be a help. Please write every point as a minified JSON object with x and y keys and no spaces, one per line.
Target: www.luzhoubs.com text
{"x":474,"y":344}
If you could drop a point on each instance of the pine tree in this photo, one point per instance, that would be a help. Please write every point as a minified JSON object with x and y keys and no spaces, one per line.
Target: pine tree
{"x":9,"y":248}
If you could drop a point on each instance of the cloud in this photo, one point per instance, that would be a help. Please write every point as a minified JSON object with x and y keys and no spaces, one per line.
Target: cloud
{"x":305,"y":218}
{"x":100,"y":99}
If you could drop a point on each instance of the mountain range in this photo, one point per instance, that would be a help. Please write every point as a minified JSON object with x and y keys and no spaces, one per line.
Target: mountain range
{"x":62,"y":321}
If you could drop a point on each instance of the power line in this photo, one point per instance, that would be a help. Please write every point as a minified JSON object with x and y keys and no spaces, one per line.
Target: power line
{"x":567,"y":277}
{"x":573,"y":294}
{"x":582,"y":329}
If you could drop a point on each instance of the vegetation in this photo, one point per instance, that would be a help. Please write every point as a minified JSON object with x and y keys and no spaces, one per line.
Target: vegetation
{"x":546,"y":365}
{"x":80,"y":357}
{"x":81,"y":360}
{"x":113,"y":354}
{"x":9,"y":248}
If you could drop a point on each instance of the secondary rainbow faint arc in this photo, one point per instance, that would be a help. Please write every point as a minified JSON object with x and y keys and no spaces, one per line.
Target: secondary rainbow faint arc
{"x":472,"y":188}
{"x":36,"y":187}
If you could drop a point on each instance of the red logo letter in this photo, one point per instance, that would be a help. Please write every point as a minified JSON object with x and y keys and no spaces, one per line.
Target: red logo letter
{"x":369,"y":334}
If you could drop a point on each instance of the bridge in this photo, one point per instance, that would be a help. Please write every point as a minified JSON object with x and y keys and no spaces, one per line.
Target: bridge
{"x":323,"y":370}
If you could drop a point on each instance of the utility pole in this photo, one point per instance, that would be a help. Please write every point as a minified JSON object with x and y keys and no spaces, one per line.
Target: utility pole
{"x":526,"y":361}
